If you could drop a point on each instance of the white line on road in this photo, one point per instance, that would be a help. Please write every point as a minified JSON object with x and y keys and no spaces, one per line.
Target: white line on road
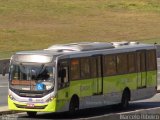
{"x":3,"y":86}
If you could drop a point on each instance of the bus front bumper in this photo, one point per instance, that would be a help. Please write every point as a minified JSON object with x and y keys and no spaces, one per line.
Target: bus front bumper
{"x":38,"y":107}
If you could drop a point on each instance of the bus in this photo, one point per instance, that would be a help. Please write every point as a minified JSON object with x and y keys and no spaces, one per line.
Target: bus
{"x":69,"y":77}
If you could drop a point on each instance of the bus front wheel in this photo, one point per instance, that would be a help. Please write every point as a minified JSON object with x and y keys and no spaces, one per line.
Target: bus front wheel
{"x":31,"y":114}
{"x":125,"y":99}
{"x":74,"y":105}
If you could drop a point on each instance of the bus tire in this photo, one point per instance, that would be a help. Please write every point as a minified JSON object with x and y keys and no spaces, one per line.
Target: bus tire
{"x":31,"y":114}
{"x":125,"y":99}
{"x":74,"y":105}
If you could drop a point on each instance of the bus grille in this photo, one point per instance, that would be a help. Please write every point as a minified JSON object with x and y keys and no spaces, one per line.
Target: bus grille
{"x":29,"y":107}
{"x":30,"y":95}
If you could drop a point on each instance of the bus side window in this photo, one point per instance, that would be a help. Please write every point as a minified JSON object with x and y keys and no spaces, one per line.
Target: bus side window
{"x":63,"y":74}
{"x":122,"y":62}
{"x":85,"y":68}
{"x":131,"y":63}
{"x":151,"y":60}
{"x":75,"y":69}
{"x":110,"y":65}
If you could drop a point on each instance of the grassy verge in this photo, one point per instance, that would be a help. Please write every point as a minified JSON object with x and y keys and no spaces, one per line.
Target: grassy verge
{"x":37,"y":24}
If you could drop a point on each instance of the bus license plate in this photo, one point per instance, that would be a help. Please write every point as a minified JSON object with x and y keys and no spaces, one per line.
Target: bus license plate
{"x":30,"y":105}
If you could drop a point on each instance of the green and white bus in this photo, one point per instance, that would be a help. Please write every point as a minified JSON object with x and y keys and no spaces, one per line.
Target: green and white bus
{"x":68,"y":77}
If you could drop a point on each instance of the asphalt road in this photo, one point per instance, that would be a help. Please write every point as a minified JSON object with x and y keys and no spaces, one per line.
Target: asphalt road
{"x":3,"y":90}
{"x":108,"y":111}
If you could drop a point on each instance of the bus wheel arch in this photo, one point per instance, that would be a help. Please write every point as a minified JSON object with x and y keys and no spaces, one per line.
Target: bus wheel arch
{"x":74,"y":104}
{"x":126,"y":95}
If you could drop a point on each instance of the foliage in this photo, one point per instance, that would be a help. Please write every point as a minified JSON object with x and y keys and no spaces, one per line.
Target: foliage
{"x":37,"y":24}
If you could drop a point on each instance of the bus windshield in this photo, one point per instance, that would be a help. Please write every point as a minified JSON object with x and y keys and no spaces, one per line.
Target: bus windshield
{"x":32,"y":77}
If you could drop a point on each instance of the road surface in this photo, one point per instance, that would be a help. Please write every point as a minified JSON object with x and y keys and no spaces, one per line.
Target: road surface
{"x":108,"y":111}
{"x":3,"y":90}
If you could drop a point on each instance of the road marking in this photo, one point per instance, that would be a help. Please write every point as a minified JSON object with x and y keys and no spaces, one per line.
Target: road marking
{"x":3,"y":86}
{"x":3,"y":82}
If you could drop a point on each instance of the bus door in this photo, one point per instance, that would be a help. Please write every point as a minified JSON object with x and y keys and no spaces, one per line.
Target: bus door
{"x":63,"y":81}
{"x":141,"y":69}
{"x":96,"y":74}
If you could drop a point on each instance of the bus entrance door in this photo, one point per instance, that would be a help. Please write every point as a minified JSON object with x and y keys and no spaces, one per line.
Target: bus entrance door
{"x":141,"y":69}
{"x":96,"y":74}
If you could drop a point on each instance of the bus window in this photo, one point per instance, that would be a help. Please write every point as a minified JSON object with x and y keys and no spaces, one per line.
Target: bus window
{"x":151,"y":60}
{"x":131,"y":62}
{"x":122,"y":63}
{"x":93,"y":67}
{"x":110,"y":65}
{"x":143,"y":62}
{"x":85,"y":68}
{"x":63,"y":74}
{"x":75,"y":69}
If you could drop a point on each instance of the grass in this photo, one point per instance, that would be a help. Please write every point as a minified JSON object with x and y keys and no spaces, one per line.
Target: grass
{"x":37,"y":24}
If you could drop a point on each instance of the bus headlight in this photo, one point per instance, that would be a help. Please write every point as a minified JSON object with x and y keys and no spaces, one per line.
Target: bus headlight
{"x":11,"y":97}
{"x":49,"y":99}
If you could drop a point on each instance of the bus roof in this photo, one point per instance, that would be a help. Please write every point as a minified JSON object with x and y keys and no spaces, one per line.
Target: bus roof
{"x":82,"y":46}
{"x":88,"y":47}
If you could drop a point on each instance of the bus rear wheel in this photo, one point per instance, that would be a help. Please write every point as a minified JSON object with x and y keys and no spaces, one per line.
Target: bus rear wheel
{"x":31,"y":114}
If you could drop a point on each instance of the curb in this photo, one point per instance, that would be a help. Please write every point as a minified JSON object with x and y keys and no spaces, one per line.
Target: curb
{"x":4,"y":110}
{"x":8,"y":112}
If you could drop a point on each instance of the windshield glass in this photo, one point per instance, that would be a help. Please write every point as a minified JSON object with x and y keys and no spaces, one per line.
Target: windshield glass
{"x":32,"y":77}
